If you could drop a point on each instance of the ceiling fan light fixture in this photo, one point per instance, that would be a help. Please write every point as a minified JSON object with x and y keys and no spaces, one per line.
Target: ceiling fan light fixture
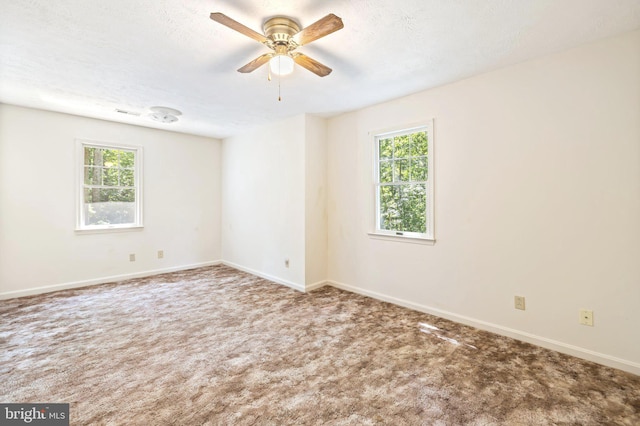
{"x":281,"y":64}
{"x":283,"y":36}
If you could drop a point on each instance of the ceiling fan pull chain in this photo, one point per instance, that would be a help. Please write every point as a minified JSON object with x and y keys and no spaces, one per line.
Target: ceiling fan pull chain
{"x":279,"y":79}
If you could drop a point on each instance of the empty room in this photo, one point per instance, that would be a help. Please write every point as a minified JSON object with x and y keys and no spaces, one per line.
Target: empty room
{"x":263,"y":212}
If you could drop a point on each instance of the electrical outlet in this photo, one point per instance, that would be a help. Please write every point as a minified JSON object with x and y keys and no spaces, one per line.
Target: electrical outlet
{"x":132,"y":257}
{"x":586,"y":317}
{"x":160,"y":254}
{"x":519,"y":302}
{"x":286,"y":263}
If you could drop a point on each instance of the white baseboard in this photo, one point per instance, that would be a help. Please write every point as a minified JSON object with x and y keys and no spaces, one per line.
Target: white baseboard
{"x":291,"y":284}
{"x":315,"y":286}
{"x":113,"y":278}
{"x":610,"y":361}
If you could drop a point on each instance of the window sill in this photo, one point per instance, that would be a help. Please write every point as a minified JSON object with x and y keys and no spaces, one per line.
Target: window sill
{"x":402,"y":238}
{"x":86,"y":231}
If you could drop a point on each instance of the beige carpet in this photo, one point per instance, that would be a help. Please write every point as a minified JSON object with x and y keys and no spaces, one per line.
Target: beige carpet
{"x":217,"y":346}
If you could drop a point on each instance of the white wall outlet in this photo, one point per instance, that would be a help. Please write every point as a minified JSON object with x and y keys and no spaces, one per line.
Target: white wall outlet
{"x":519,"y":302}
{"x":160,"y":254}
{"x":586,"y":317}
{"x":286,"y":263}
{"x":132,"y":257}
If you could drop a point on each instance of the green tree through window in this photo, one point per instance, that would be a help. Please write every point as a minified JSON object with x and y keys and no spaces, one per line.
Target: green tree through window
{"x":403,"y":181}
{"x":110,"y":195}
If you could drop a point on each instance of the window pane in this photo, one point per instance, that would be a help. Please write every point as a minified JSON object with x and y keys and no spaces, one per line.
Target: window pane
{"x":88,"y":155}
{"x":110,"y":188}
{"x":110,"y":176}
{"x":102,"y":195}
{"x":419,"y":167}
{"x":389,"y":213}
{"x":385,"y":148}
{"x":386,"y":171}
{"x":109,"y":206}
{"x":419,"y":145}
{"x":110,"y":157}
{"x":128,"y":195}
{"x":125,"y":195}
{"x":401,"y":146}
{"x":126,"y":177}
{"x":402,"y":208}
{"x":92,"y":156}
{"x":412,"y":205}
{"x":402,"y":202}
{"x":127,"y":159}
{"x":92,"y":175}
{"x":402,"y":170}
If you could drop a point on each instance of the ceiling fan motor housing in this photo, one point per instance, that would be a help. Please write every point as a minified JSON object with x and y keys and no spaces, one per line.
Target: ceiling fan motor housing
{"x":280,"y":29}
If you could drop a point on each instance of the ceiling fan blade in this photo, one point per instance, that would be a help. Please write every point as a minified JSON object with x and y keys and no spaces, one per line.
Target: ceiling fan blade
{"x":235,"y":25}
{"x":256,"y":63}
{"x":311,"y":64}
{"x":320,"y":28}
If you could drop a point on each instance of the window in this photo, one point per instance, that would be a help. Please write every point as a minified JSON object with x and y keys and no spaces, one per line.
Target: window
{"x":110,"y":186}
{"x":404,"y":183}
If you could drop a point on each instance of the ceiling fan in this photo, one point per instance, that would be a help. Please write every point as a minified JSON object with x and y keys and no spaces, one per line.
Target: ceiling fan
{"x":283,"y":35}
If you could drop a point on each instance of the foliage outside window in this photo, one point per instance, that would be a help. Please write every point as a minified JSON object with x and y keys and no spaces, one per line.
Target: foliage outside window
{"x":404,"y":183}
{"x":110,"y":190}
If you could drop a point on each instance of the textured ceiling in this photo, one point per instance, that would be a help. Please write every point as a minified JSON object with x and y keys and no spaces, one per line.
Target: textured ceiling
{"x":90,"y":57}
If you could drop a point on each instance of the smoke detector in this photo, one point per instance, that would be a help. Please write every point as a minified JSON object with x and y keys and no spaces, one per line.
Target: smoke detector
{"x":164,"y":114}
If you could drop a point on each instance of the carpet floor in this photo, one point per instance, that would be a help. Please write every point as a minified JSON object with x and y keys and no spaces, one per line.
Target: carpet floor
{"x":217,"y":346}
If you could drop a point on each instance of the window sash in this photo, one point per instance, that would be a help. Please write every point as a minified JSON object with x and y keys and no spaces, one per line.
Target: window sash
{"x":427,"y":181}
{"x":129,"y":212}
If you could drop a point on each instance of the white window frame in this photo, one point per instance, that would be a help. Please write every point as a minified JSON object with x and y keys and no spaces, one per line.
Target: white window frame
{"x":427,"y":237}
{"x":80,"y":219}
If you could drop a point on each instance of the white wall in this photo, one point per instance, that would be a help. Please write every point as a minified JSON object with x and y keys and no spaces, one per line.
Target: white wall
{"x":315,"y":201}
{"x":39,"y":249}
{"x":263,"y":200}
{"x":537,"y":170}
{"x":274,"y":201}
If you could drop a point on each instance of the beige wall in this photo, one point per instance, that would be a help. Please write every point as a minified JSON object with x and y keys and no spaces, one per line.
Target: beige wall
{"x":263,"y":201}
{"x":274,"y":201}
{"x":316,"y":201}
{"x":537,"y":188}
{"x":39,"y":250}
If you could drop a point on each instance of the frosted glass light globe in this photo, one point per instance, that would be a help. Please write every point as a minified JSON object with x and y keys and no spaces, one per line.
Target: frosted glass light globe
{"x":281,"y":64}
